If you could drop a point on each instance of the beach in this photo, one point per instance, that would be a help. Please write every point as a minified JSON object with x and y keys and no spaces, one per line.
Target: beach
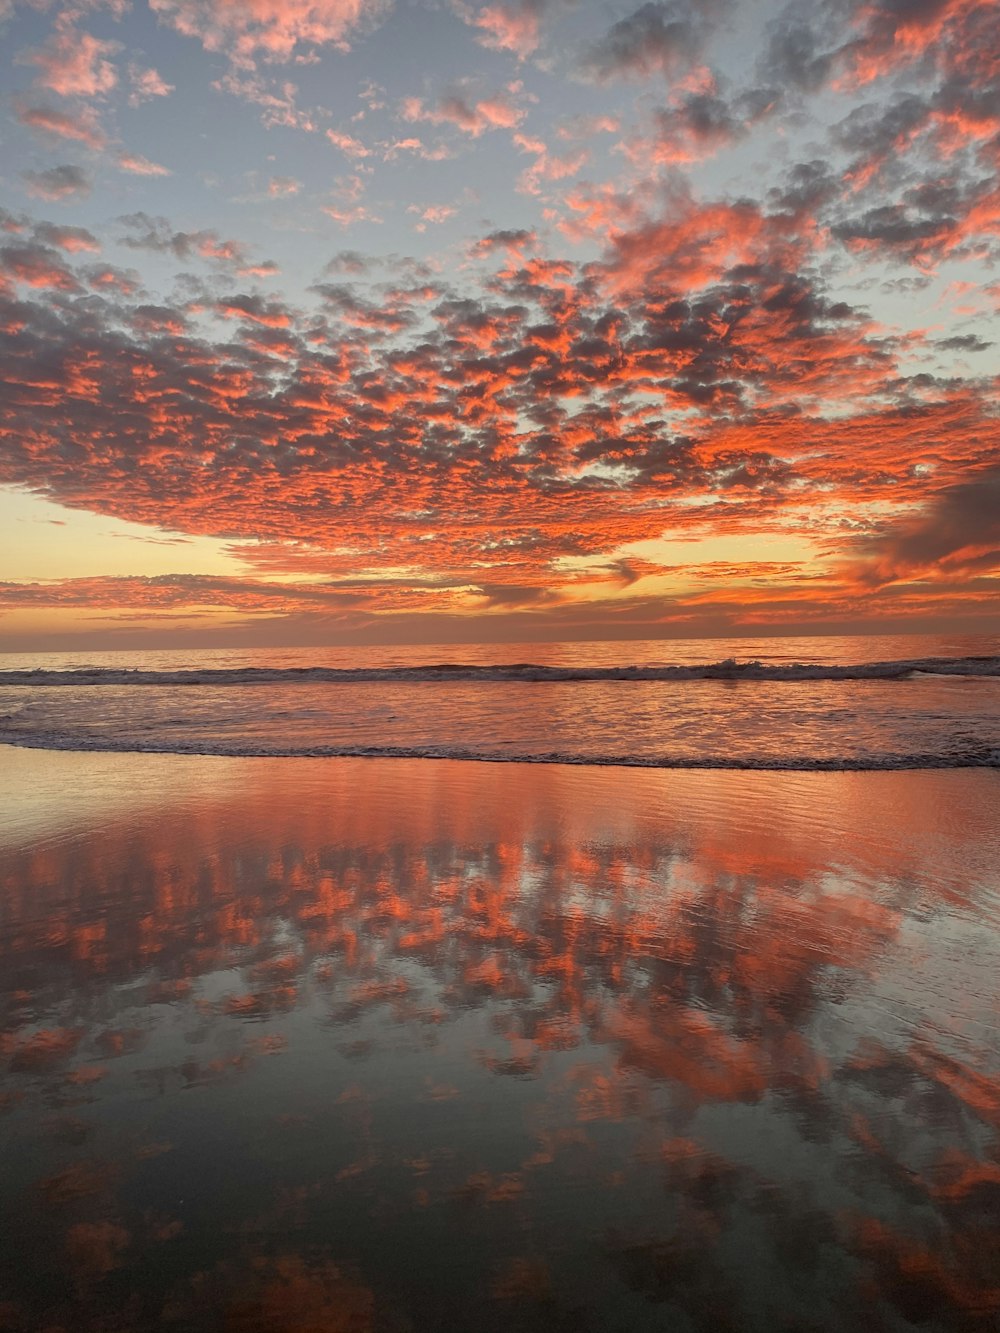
{"x":419,"y":1044}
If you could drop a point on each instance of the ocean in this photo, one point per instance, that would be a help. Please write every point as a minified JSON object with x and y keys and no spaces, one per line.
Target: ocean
{"x":807,"y":703}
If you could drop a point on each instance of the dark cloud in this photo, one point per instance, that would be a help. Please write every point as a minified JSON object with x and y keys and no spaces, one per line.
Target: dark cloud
{"x":876,"y":135}
{"x":344,"y":302}
{"x":694,"y":125}
{"x":808,"y":187}
{"x":795,"y":56}
{"x":143,"y":232}
{"x":37,"y":266}
{"x":963,"y":342}
{"x":958,"y":529}
{"x":660,"y":37}
{"x":72,"y":239}
{"x":272,"y":314}
{"x":350,"y":261}
{"x":57,"y":183}
{"x":511,"y":241}
{"x":895,"y":226}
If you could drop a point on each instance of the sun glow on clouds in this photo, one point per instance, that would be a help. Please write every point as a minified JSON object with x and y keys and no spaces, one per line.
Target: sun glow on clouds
{"x":41,"y":541}
{"x":387,"y":318}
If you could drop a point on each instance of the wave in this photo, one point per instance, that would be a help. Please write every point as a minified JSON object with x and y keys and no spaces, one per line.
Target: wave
{"x":970,"y":757}
{"x":728,"y":670}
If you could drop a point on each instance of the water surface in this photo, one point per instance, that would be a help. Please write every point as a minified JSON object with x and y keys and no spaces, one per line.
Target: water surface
{"x":818,"y":703}
{"x":341,"y":1044}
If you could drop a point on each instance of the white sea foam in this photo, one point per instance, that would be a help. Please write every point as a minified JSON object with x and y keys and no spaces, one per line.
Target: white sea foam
{"x":964,"y":757}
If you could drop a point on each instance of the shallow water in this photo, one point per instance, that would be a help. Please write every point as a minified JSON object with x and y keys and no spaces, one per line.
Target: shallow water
{"x":345,"y":1044}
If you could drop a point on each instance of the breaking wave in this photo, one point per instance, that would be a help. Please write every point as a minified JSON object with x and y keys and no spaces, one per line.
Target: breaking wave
{"x":728,"y":670}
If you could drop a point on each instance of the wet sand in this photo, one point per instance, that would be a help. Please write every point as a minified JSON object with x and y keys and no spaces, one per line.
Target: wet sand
{"x":387,"y":1044}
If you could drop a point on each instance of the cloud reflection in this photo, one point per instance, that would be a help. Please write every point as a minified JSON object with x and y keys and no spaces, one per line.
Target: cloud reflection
{"x":286,"y":1022}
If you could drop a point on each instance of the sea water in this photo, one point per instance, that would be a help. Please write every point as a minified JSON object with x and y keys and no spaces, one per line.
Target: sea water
{"x":806,"y":703}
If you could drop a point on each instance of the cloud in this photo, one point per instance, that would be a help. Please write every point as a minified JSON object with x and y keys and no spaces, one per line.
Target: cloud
{"x":269,"y":30}
{"x":797,"y":54}
{"x":431,"y":214}
{"x":146,"y":84}
{"x":57,"y":183}
{"x":513,"y":242}
{"x":931,"y":220}
{"x":697,"y":370}
{"x":863,"y":41}
{"x":347,"y":144}
{"x":74,"y":63}
{"x":697,"y":122}
{"x":964,"y":342}
{"x":439,"y":153}
{"x":144,"y":232}
{"x":277,"y":103}
{"x":514,"y":27}
{"x":140,"y":166}
{"x":547,"y":166}
{"x":80,"y":127}
{"x":282,"y":187}
{"x":271,"y":314}
{"x":37,"y":265}
{"x":74,"y":240}
{"x":105,"y":278}
{"x":346,"y":207}
{"x":469,"y":114}
{"x":958,"y":530}
{"x":658,"y":38}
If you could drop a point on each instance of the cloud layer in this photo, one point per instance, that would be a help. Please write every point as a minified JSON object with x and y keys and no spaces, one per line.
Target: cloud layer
{"x":659,"y":296}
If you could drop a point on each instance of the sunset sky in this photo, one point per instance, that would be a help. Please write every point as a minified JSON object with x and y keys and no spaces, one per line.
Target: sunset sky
{"x":347,"y":321}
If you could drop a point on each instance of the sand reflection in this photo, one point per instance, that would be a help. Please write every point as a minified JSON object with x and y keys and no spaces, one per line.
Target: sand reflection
{"x":392,"y":1042}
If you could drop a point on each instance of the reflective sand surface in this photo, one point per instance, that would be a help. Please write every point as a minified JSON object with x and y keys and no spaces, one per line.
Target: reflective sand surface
{"x":403,"y":1045}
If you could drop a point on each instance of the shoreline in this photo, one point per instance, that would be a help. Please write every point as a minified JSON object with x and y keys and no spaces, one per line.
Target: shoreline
{"x":989,"y":762}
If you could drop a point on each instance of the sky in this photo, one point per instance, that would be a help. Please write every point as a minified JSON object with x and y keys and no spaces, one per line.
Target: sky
{"x":401,"y":321}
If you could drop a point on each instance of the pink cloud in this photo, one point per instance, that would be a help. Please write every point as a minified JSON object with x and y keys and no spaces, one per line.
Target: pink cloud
{"x":74,"y":64}
{"x":419,"y":149}
{"x":584,"y":127}
{"x":434,"y":214}
{"x":267,"y":268}
{"x":510,"y":27}
{"x":81,"y":127}
{"x":140,"y":166}
{"x":271,"y":30}
{"x":352,"y":147}
{"x":348,"y":214}
{"x":147,"y":84}
{"x":692,"y":244}
{"x":347,"y":208}
{"x":471,"y":117}
{"x":547,"y":166}
{"x":278,"y":105}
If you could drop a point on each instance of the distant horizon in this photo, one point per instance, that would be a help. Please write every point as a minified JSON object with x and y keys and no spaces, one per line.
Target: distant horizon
{"x":69,"y":646}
